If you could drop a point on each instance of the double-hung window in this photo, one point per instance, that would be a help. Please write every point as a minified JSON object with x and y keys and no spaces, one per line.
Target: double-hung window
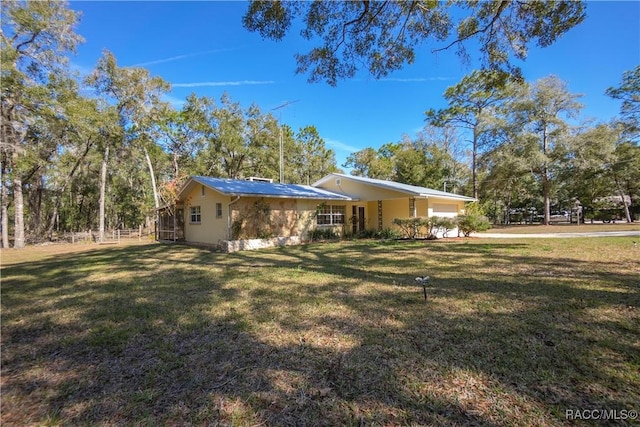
{"x":195,"y":216}
{"x":331,"y":215}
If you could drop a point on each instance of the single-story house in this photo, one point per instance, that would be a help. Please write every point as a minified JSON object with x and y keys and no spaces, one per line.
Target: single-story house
{"x":217,"y":211}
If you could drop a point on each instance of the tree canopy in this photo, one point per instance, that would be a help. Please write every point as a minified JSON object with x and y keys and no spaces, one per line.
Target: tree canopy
{"x":629,"y":93}
{"x":386,"y":35}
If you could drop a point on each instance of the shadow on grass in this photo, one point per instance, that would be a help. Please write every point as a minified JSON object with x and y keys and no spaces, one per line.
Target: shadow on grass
{"x":333,"y":334}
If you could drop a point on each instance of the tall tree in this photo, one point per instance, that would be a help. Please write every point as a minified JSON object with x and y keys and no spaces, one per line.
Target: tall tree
{"x":426,"y":161}
{"x":311,"y":159}
{"x":385,"y":35}
{"x":265,"y":134}
{"x":473,"y":105}
{"x":180,"y":135}
{"x":600,"y":166}
{"x":230,"y":138}
{"x":136,"y":95}
{"x":507,"y":183}
{"x":626,"y":169}
{"x":374,"y":164}
{"x":34,"y":39}
{"x":545,"y":135}
{"x":629,"y":93}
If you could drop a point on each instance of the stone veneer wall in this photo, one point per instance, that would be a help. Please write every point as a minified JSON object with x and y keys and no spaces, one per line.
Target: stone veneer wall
{"x":251,"y":244}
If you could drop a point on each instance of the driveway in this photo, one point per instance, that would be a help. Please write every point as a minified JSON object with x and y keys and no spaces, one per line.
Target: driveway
{"x":555,"y":235}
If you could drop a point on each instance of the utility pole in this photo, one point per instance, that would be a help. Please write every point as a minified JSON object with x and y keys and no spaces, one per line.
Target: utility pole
{"x":284,"y":105}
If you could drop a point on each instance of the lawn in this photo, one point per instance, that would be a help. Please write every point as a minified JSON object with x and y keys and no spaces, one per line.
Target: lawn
{"x":513,"y":332}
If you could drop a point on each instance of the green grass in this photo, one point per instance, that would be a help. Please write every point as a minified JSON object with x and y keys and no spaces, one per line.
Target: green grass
{"x":513,"y":332}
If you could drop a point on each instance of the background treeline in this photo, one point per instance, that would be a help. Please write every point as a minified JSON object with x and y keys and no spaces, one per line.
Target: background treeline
{"x":522,"y":149}
{"x":105,"y":150}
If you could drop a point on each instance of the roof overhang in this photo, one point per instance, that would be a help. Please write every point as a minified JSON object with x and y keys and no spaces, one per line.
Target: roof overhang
{"x":240,"y":188}
{"x":407,"y":190}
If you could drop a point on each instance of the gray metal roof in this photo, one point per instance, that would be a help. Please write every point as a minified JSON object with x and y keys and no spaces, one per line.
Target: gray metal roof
{"x":237,"y":187}
{"x":405,"y":188}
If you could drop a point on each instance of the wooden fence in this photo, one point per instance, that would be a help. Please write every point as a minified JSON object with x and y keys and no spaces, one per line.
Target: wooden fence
{"x":111,"y":236}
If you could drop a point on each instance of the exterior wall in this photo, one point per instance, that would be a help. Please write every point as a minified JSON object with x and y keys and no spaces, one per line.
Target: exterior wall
{"x":445,"y":208}
{"x":398,"y":208}
{"x":422,"y":207}
{"x":283,"y":216}
{"x":305,"y":217}
{"x":372,"y":215}
{"x":288,"y":217}
{"x":211,"y":229}
{"x":395,"y":204}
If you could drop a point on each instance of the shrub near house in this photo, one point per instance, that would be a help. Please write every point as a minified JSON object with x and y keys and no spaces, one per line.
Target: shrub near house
{"x":435,"y":227}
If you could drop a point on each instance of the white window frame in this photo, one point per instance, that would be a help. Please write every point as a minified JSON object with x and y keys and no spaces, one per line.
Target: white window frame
{"x":195,"y":215}
{"x":218,"y":210}
{"x":329,"y":215}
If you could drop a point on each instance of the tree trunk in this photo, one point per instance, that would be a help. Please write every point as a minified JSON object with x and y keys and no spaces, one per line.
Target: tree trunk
{"x":474,"y":160}
{"x":61,"y":191}
{"x":18,"y":234}
{"x":624,"y":200}
{"x":156,"y":200}
{"x":4,"y":209}
{"x":546,"y":187}
{"x":103,"y":188}
{"x":546,"y":190}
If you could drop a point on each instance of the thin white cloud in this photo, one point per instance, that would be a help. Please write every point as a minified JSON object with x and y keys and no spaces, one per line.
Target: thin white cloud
{"x":178,"y":57}
{"x":341,"y":146}
{"x":229,"y":83}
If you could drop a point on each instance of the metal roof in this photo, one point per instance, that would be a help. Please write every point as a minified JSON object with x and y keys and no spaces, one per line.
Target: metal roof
{"x":390,"y":185}
{"x":238,"y":187}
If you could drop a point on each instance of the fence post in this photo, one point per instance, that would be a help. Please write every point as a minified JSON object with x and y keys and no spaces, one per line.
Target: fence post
{"x":118,"y":236}
{"x":140,"y":233}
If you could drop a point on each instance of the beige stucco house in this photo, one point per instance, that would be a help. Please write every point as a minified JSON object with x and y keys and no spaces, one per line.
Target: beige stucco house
{"x":379,"y":201}
{"x":217,"y":211}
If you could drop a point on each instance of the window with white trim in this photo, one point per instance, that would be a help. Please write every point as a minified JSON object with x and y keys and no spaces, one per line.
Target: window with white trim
{"x":331,"y":215}
{"x":194,"y":214}
{"x":218,"y":210}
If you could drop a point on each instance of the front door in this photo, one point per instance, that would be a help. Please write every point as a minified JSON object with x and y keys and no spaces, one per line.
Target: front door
{"x":357,"y":219}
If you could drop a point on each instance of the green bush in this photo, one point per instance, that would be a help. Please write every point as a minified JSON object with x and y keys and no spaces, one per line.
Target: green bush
{"x":441,"y":224}
{"x":468,"y":224}
{"x":324,"y":234}
{"x":387,"y":233}
{"x":410,"y":227}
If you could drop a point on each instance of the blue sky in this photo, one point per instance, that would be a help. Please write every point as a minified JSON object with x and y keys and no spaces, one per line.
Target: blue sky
{"x":201,"y":47}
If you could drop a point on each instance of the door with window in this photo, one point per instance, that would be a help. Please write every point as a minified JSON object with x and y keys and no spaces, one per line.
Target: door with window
{"x":357,"y":219}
